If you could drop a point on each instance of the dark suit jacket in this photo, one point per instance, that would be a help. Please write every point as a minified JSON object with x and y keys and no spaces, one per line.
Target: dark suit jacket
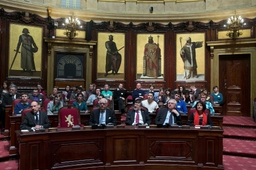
{"x":161,"y":116}
{"x":95,"y":115}
{"x":131,"y":114}
{"x":7,"y":99}
{"x":29,"y":121}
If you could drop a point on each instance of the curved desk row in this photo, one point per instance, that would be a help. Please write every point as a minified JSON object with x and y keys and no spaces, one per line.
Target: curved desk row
{"x":126,"y":148}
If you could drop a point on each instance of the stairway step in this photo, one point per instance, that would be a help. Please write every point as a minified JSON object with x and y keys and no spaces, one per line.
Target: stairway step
{"x":9,"y":165}
{"x":239,"y":147}
{"x":240,"y":133}
{"x":237,"y":162}
{"x":239,"y":121}
{"x":4,"y":150}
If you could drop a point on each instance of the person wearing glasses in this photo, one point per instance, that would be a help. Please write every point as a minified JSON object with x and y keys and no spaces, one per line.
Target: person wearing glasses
{"x":168,"y":115}
{"x":102,"y":115}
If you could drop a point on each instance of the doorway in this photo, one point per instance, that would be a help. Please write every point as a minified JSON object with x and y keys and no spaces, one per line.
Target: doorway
{"x":234,"y":82}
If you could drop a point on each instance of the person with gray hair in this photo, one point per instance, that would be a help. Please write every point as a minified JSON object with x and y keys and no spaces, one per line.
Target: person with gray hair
{"x":188,"y":55}
{"x":169,"y":115}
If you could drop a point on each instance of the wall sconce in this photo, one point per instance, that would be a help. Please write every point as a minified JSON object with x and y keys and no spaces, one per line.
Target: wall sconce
{"x":71,"y":24}
{"x":234,"y":24}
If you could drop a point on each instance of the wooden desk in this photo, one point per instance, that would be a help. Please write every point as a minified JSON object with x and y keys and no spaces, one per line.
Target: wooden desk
{"x":8,"y":112}
{"x":126,"y":148}
{"x":15,"y":122}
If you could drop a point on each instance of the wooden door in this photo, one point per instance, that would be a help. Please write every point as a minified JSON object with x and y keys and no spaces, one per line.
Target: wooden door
{"x":235,"y":84}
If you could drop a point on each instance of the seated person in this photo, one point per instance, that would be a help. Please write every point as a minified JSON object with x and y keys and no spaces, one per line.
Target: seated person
{"x":137,"y":115}
{"x":119,"y":97}
{"x":138,"y":93}
{"x":200,"y":117}
{"x":217,"y":96}
{"x":181,"y":105}
{"x":149,"y":103}
{"x":36,"y":96}
{"x":55,"y":105}
{"x":23,"y":104}
{"x":188,"y":98}
{"x":207,"y":103}
{"x":92,"y":96}
{"x":102,"y":115}
{"x":35,"y":119}
{"x":79,"y":103}
{"x":168,"y":116}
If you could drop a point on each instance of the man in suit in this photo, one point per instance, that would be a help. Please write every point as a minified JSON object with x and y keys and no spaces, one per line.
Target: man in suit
{"x":35,"y":119}
{"x":137,"y":115}
{"x":8,"y":98}
{"x":35,"y":96}
{"x":102,"y":115}
{"x":169,"y":116}
{"x":138,"y":93}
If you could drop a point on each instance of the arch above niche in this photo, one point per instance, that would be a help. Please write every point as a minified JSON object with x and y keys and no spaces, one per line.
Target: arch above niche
{"x":64,"y":45}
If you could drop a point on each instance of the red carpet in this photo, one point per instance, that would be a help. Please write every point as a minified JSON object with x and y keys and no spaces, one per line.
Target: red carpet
{"x":239,"y":121}
{"x":238,"y":163}
{"x":242,"y":133}
{"x":4,"y":149}
{"x":239,"y":147}
{"x":9,"y":165}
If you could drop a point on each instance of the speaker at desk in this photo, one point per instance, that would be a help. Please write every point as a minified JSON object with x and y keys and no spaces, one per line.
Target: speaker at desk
{"x":88,"y":36}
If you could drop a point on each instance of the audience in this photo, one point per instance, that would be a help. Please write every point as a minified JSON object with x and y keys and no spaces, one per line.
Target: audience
{"x":102,"y":115}
{"x":200,"y":116}
{"x":90,"y":91}
{"x":55,"y":105}
{"x":149,"y":103}
{"x":168,"y":116}
{"x":217,"y":96}
{"x":36,"y":119}
{"x":35,"y":96}
{"x":138,"y":93}
{"x":120,"y":95}
{"x":182,"y":91}
{"x":67,"y":92}
{"x":137,"y":116}
{"x":195,"y":93}
{"x":23,"y":104}
{"x":5,"y":87}
{"x":80,"y":103}
{"x":207,"y":103}
{"x":41,"y":91}
{"x":168,"y":95}
{"x":181,"y":105}
{"x":73,"y":93}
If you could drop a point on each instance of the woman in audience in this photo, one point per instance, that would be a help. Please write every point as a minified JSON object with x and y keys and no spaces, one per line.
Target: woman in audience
{"x":181,"y":92}
{"x":209,"y":98}
{"x":5,"y":87}
{"x":54,"y":106}
{"x":160,"y":97}
{"x":200,"y":116}
{"x":67,"y":92}
{"x":80,"y":103}
{"x":188,"y":98}
{"x":168,"y":95}
{"x":217,"y":96}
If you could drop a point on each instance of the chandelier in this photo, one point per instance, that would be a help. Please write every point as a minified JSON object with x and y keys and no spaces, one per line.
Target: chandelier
{"x":71,"y":24}
{"x":234,"y":24}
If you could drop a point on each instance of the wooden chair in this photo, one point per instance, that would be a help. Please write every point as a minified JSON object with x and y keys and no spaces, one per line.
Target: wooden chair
{"x":69,"y":117}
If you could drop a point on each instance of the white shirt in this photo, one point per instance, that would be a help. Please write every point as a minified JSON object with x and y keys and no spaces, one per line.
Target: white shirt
{"x":153,"y":106}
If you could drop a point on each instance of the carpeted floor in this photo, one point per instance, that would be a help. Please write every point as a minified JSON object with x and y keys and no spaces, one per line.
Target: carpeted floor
{"x":239,"y":143}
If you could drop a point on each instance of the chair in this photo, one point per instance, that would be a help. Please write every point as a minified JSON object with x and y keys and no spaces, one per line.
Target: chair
{"x":71,"y":101}
{"x":46,"y":101}
{"x":69,"y":117}
{"x":25,"y":111}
